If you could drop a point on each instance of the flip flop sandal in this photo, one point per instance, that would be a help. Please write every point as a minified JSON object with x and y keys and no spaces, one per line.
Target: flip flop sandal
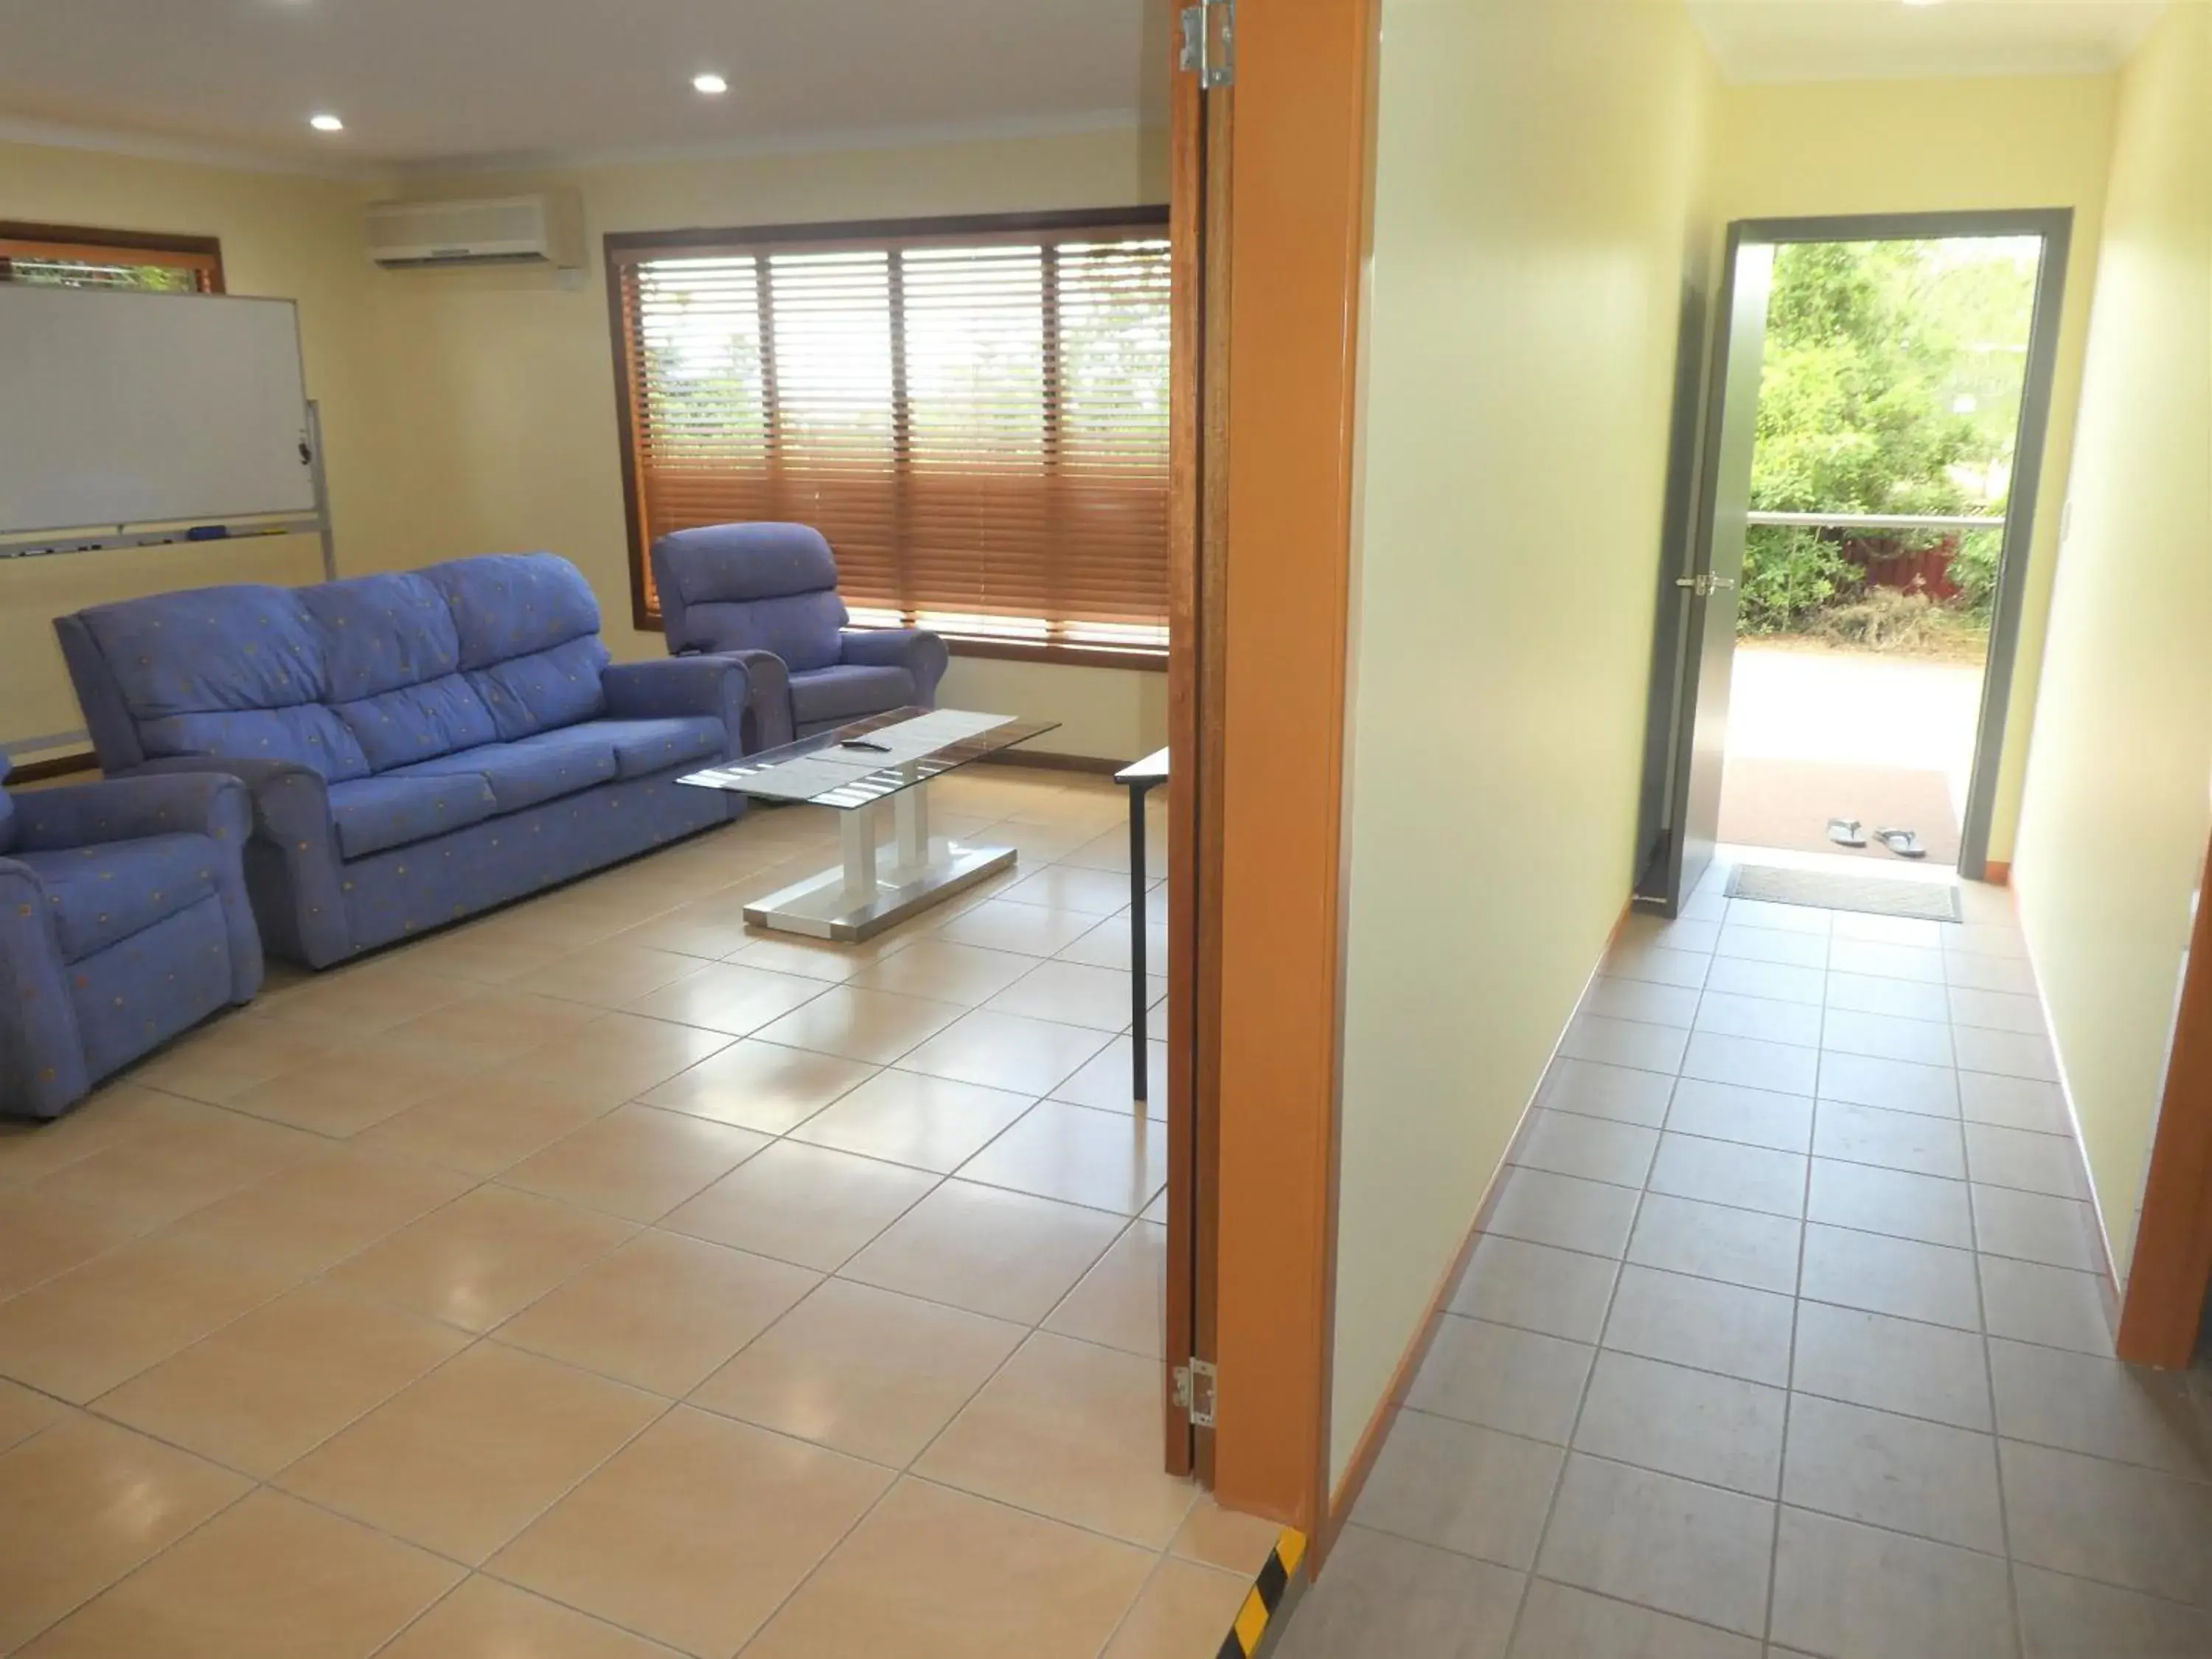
{"x":1903,"y":842}
{"x":1847,"y":832}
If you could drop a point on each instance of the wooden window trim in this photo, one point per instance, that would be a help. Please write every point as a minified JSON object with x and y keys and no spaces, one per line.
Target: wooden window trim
{"x":622,"y":249}
{"x":93,"y":243}
{"x":1088,"y":656}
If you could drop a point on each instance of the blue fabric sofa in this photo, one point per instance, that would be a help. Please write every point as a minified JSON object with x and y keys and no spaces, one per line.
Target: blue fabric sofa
{"x":420,"y":745}
{"x":766,"y":594}
{"x":124,"y":921}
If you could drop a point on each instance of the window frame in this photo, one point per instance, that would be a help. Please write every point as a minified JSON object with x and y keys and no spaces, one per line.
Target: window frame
{"x":202,"y":254}
{"x":626,"y":248}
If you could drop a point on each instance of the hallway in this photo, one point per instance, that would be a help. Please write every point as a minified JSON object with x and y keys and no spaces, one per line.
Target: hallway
{"x":1780,"y":1338}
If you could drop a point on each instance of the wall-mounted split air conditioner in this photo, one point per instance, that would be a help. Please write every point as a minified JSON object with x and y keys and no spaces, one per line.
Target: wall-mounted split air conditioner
{"x":544,"y":229}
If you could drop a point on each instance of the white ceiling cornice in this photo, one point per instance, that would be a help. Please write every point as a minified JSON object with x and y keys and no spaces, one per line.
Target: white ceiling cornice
{"x":854,"y":140}
{"x":1772,"y":42}
{"x":155,"y":147}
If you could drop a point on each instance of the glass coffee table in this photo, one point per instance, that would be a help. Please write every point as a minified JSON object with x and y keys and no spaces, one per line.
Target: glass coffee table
{"x":885,"y":759}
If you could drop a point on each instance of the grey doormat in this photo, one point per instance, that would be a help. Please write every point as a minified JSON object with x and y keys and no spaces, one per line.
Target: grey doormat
{"x":1869,"y":895}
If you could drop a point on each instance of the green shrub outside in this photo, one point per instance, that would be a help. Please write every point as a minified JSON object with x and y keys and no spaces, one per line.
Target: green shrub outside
{"x":1890,"y":369}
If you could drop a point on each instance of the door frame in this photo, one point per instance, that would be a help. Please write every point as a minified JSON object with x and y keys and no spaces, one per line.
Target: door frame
{"x":1282,"y":475}
{"x":1200,"y":124}
{"x":1659,"y":849}
{"x":2168,"y":1300}
{"x":1716,"y":488}
{"x":2055,"y":227}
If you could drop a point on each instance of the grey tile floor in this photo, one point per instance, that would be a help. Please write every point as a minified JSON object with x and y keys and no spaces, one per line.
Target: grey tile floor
{"x":1782,"y":1339}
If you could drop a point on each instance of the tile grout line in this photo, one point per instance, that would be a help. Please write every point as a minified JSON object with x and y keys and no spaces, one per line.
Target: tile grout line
{"x":1788,"y":1413}
{"x":1792,"y":1387}
{"x":1996,"y":1442}
{"x":1908,"y":1319}
{"x":1567,"y":1451}
{"x":1837,"y":1226}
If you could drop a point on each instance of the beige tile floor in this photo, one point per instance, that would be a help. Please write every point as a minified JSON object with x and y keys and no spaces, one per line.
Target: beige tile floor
{"x":1781,"y":1338}
{"x":602,"y":1278}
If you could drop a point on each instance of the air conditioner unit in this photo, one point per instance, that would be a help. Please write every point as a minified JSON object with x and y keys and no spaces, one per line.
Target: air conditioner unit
{"x":545,"y":230}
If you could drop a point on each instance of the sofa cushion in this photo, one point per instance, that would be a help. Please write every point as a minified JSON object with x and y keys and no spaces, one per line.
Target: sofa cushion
{"x":645,"y":746}
{"x":532,"y":770}
{"x":847,"y":692}
{"x":211,"y":648}
{"x":372,"y":814}
{"x":308,"y":735}
{"x":381,"y":633}
{"x":418,"y":722}
{"x":102,"y":894}
{"x":545,"y":689}
{"x":7,"y":810}
{"x":506,"y":605}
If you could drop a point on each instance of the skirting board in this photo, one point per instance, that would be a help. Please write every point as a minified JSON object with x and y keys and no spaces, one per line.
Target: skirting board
{"x":1409,"y":1364}
{"x":1098,"y":764}
{"x":57,"y":766}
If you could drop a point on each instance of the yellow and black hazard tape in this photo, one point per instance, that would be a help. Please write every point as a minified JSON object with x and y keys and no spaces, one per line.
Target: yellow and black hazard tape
{"x":1265,"y":1596}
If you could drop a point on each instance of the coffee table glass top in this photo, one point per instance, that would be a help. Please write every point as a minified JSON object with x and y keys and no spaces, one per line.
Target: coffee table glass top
{"x":871,"y":758}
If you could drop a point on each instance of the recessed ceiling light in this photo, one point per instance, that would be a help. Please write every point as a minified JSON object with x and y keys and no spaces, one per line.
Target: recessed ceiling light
{"x":710,"y":83}
{"x":1922,"y":2}
{"x":325,"y":123}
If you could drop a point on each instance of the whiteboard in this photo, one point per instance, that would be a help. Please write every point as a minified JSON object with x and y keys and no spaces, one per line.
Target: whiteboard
{"x":121,"y":408}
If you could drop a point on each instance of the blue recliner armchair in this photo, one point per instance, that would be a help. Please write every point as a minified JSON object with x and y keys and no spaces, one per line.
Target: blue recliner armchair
{"x":124,"y":921}
{"x":767,"y":594}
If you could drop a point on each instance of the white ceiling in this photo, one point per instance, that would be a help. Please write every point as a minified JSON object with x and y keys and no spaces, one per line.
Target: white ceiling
{"x":424,"y":83}
{"x":1755,"y":40}
{"x":441,"y":80}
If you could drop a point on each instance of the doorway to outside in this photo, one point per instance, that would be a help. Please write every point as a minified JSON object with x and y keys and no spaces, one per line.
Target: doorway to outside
{"x":1886,"y":435}
{"x":1839,"y":605}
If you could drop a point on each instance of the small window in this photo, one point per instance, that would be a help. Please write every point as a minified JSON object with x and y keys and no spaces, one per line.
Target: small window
{"x":975,"y":412}
{"x":68,"y":256}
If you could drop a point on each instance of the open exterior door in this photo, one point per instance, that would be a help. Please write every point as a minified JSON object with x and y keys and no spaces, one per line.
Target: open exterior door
{"x":1704,"y":635}
{"x":1198,"y":238}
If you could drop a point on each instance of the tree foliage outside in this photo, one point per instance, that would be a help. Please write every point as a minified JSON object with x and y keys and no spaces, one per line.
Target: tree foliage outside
{"x":83,"y":273}
{"x":1891,"y":384}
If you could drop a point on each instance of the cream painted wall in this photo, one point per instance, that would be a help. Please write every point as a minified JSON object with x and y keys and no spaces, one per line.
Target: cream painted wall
{"x":293,"y":237}
{"x":2114,"y":824}
{"x":1537,"y":203}
{"x":1938,"y":146}
{"x":506,"y":411}
{"x":473,"y":412}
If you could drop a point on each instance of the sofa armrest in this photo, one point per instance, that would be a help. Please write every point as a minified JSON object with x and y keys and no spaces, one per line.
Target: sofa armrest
{"x":294,"y":872}
{"x":291,"y":803}
{"x":211,"y":804}
{"x":42,"y":1066}
{"x":921,"y":652}
{"x":716,"y":685}
{"x":767,"y":704}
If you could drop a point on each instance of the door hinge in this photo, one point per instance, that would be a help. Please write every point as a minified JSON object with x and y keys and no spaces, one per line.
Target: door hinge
{"x":1705,"y":586}
{"x":1209,"y":42}
{"x":1195,"y":1391}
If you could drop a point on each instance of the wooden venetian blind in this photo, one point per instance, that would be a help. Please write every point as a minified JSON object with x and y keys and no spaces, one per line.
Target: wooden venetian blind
{"x":976,"y":418}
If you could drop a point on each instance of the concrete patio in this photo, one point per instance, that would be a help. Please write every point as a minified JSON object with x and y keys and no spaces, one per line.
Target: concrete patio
{"x":1816,"y":733}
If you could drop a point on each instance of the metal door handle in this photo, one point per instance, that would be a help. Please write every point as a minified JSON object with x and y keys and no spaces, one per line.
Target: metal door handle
{"x":1704,"y":587}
